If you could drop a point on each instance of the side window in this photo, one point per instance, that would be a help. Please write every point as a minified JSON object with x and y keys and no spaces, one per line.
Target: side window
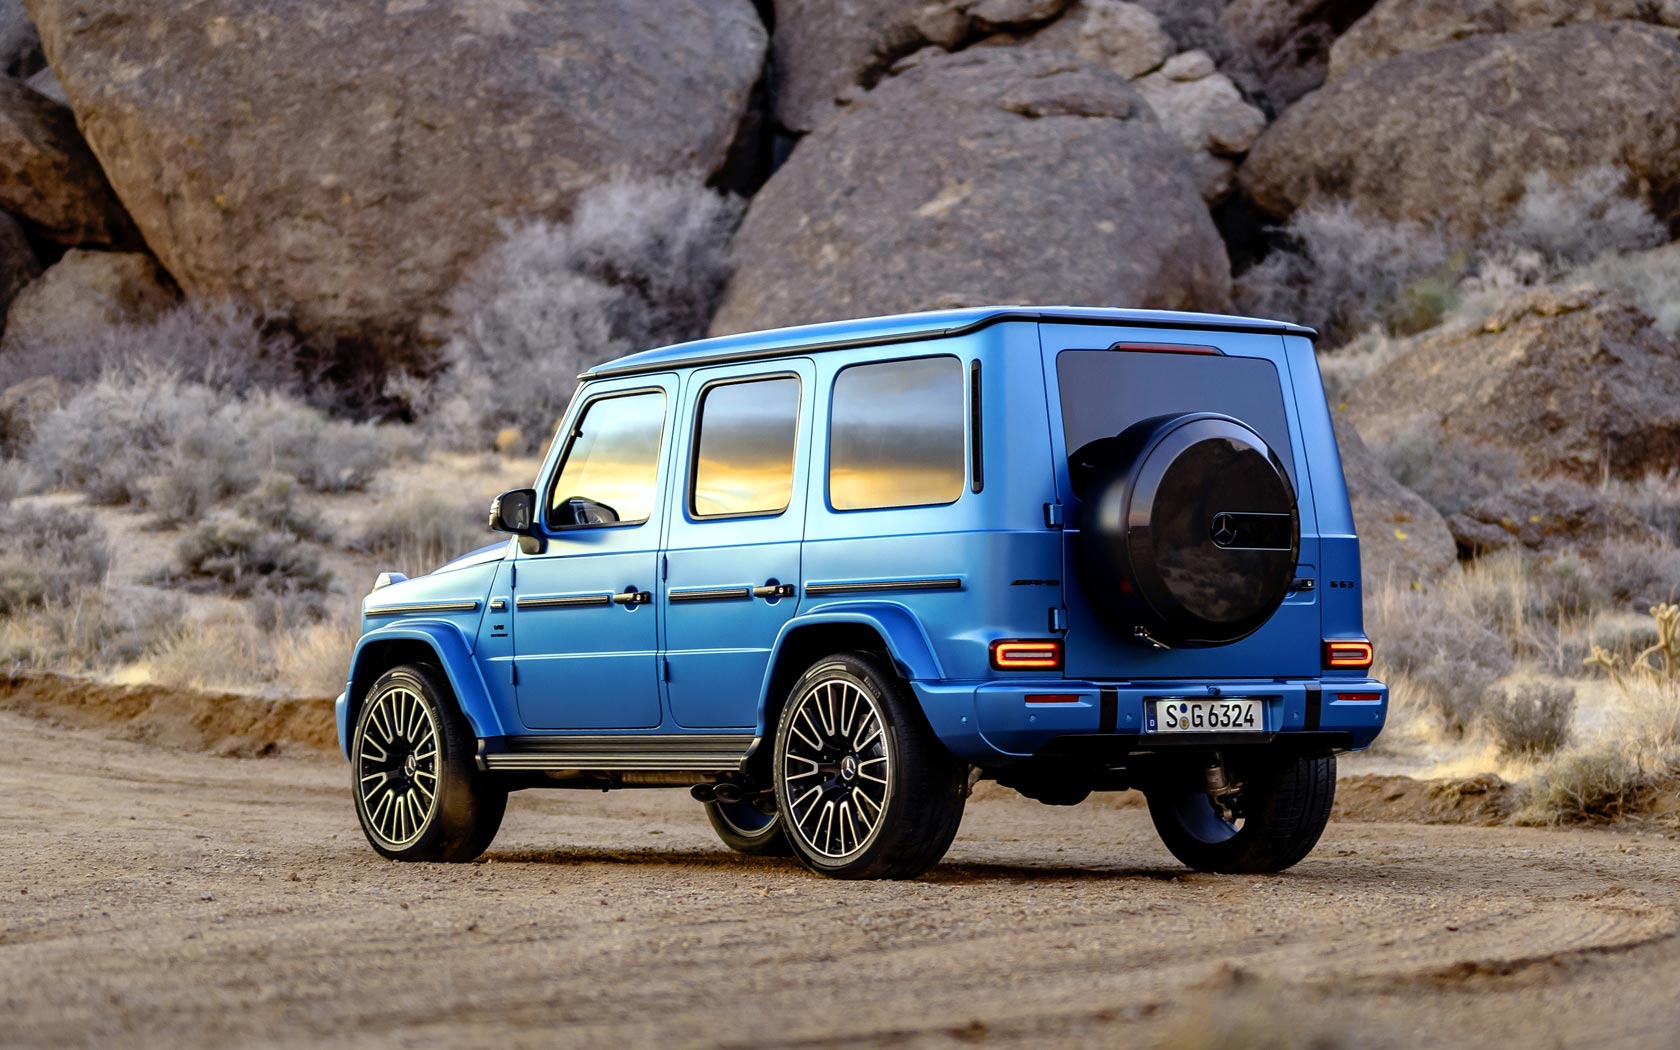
{"x":611,"y":470}
{"x":896,"y":434}
{"x":744,"y":446}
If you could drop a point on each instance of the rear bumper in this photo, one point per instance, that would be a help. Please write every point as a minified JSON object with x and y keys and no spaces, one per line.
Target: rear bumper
{"x":993,"y":723}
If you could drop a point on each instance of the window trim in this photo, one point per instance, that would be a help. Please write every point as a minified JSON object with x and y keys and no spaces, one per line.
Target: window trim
{"x":828,"y":463}
{"x":694,"y":445}
{"x":571,"y":441}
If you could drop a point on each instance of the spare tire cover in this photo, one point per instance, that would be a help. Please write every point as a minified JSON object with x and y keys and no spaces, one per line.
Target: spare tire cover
{"x":1188,"y":530}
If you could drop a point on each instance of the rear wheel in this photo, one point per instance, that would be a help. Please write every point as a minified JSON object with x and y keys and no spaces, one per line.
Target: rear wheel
{"x":418,"y":794}
{"x":1269,"y":823}
{"x":745,"y":827}
{"x":864,"y":788}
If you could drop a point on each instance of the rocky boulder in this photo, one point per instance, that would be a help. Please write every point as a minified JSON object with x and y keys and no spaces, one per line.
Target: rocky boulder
{"x":344,"y":163}
{"x":1451,"y":135}
{"x":20,"y":45}
{"x":991,"y":175}
{"x":1574,"y":382}
{"x":825,"y":53}
{"x":1204,"y":110}
{"x":1117,"y":35}
{"x":48,"y":177}
{"x":18,"y":264}
{"x":81,"y":296}
{"x":1394,"y":27}
{"x":1288,"y":41}
{"x":1401,"y":537}
{"x":1546,"y":516}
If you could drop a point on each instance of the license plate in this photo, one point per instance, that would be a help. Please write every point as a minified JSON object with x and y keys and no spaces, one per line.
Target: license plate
{"x":1225,"y":715}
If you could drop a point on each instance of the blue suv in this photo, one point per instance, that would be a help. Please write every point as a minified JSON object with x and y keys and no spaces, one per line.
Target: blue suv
{"x":829,"y":577}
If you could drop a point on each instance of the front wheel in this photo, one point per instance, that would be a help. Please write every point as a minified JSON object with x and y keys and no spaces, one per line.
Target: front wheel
{"x":418,"y":794}
{"x":1269,"y":824}
{"x":864,"y":788}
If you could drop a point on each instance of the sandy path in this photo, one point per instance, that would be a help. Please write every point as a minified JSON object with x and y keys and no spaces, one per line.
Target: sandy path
{"x":162,"y":898}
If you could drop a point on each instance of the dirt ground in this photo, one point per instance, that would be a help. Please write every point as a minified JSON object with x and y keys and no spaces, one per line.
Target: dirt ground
{"x":154,"y":896}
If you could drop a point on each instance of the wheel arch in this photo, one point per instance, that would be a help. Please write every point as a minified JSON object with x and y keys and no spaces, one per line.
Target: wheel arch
{"x":438,"y":643}
{"x":866,"y":626}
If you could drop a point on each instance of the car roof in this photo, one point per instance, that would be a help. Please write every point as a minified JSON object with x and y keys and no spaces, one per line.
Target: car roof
{"x":904,"y":328}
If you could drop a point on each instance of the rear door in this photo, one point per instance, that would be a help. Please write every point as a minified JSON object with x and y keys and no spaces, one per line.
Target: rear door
{"x":732,"y":552}
{"x":1100,"y":380}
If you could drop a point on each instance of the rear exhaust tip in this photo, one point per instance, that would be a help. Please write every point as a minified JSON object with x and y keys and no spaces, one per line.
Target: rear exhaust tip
{"x":728,"y":792}
{"x":704,"y":792}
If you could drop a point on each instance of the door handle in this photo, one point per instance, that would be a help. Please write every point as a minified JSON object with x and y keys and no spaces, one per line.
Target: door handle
{"x":773,"y":590}
{"x":632,"y":598}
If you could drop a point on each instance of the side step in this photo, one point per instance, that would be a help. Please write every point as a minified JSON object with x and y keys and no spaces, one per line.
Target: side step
{"x":701,"y":752}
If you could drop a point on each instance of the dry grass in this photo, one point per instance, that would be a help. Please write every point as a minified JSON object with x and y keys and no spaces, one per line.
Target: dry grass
{"x":233,"y":650}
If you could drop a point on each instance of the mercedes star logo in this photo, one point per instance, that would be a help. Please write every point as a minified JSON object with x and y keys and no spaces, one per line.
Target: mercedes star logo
{"x":1224,"y":530}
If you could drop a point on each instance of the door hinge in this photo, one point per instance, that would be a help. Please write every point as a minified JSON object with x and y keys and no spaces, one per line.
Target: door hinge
{"x":665,"y":668}
{"x":513,"y":577}
{"x":1058,"y":620}
{"x":515,"y":669}
{"x":1053,"y":515}
{"x":664,"y":566}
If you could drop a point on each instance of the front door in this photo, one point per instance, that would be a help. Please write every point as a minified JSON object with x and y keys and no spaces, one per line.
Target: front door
{"x":734,"y":539}
{"x":584,"y":620}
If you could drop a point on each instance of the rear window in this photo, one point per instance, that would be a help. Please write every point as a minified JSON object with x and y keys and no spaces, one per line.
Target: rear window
{"x":1106,"y":391}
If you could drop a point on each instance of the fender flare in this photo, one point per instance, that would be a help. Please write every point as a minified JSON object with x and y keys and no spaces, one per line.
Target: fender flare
{"x":906,"y":639}
{"x":454,"y":656}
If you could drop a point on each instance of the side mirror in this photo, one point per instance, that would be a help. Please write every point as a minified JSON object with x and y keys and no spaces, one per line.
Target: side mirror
{"x":515,"y":511}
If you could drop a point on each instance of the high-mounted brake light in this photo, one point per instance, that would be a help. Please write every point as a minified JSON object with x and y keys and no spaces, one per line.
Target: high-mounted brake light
{"x":1347,"y":656}
{"x":1015,"y":654}
{"x":1167,"y":348}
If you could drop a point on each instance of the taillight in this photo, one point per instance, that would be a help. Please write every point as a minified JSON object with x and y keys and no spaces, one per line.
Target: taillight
{"x":1347,"y":656}
{"x":1052,"y":698}
{"x":1358,"y":698}
{"x":1015,"y":654}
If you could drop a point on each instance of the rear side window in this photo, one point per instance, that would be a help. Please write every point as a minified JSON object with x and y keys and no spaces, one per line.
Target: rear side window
{"x":896,"y":434}
{"x":743,"y":459}
{"x":611,"y":470}
{"x":1106,"y":391}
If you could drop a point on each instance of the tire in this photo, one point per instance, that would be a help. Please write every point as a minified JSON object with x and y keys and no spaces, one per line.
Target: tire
{"x":407,"y":709}
{"x":851,"y":744}
{"x":744,"y":828}
{"x":1284,"y":805}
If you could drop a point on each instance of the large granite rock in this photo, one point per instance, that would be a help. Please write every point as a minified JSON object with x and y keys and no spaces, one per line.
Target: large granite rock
{"x":20,"y":45}
{"x":1118,"y":35}
{"x":1451,"y":135}
{"x":1401,"y":537}
{"x":1288,"y":41}
{"x":344,"y":163}
{"x":1574,"y":382}
{"x":1394,"y":27}
{"x":826,"y":52}
{"x":81,"y":296}
{"x":991,"y":175}
{"x":1546,"y":516}
{"x":1204,"y":110}
{"x":48,"y":178}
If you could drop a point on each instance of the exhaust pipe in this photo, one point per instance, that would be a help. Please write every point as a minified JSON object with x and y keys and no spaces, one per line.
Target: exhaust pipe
{"x":704,"y":792}
{"x":728,"y":792}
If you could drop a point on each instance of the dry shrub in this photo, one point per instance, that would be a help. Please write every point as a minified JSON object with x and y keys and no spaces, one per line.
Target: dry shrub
{"x":1655,"y":498}
{"x":217,"y":344}
{"x":1343,"y":272}
{"x":1637,"y":756}
{"x":91,"y":629}
{"x":242,"y":558}
{"x":1651,"y":278}
{"x":49,"y":555}
{"x":245,"y":649}
{"x":1450,"y":474}
{"x":1531,"y":719}
{"x":414,"y":534}
{"x":640,"y":264}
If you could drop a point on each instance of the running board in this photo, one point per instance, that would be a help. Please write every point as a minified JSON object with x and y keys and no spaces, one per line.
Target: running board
{"x":707,"y":753}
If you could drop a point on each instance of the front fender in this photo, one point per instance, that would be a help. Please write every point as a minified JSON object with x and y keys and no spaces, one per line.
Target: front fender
{"x":454,"y":655}
{"x":906,"y":641}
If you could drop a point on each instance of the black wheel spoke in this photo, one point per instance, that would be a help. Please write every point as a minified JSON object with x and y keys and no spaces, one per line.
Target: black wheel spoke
{"x":398,"y":766}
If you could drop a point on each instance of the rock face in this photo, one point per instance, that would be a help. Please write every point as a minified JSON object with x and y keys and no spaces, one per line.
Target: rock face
{"x":20,"y":45}
{"x":48,"y":178}
{"x":1394,"y":27}
{"x":825,"y":52}
{"x":1401,"y":537}
{"x":83,"y":294}
{"x":1115,"y":34}
{"x":18,"y":264}
{"x":1289,"y":40}
{"x":1545,"y":516}
{"x":1206,"y":113}
{"x":1574,"y":383}
{"x":1450,"y":135}
{"x":991,"y":175}
{"x":345,"y":162}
